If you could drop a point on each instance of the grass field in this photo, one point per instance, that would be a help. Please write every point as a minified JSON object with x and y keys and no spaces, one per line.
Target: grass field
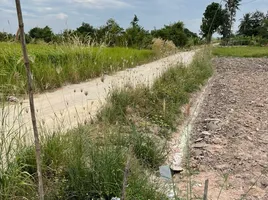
{"x":89,"y":162}
{"x":54,"y":65}
{"x":248,"y":51}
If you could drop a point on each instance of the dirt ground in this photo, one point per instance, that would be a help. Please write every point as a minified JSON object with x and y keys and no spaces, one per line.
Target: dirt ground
{"x":229,"y":142}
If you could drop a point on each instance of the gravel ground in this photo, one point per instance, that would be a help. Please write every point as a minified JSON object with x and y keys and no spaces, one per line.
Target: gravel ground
{"x":229,"y":142}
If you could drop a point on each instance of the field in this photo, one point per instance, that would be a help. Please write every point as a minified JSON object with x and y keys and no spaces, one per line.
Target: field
{"x":54,"y":66}
{"x":140,"y":128}
{"x":248,"y":51}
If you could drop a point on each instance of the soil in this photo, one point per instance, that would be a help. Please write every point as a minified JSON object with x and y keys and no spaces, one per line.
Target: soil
{"x":229,"y":140}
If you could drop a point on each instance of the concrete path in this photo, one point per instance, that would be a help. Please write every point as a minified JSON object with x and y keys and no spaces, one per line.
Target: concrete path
{"x":76,"y":104}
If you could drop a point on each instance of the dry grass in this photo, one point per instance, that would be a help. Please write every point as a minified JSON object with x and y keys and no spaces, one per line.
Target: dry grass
{"x":163,"y":48}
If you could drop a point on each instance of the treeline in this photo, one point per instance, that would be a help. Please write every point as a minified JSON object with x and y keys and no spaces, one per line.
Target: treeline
{"x":253,"y":27}
{"x":112,"y":34}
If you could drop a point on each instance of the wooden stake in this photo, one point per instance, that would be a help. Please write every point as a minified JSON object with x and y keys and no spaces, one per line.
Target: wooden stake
{"x":30,"y":92}
{"x":206,"y":191}
{"x":126,"y":174}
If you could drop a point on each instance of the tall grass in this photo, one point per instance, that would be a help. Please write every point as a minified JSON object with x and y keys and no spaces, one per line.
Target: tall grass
{"x":54,"y":65}
{"x":89,"y":162}
{"x":160,"y":103}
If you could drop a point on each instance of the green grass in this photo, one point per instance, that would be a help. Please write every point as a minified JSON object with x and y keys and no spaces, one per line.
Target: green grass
{"x":54,"y":65}
{"x":247,"y":51}
{"x":89,"y":162}
{"x":160,"y":103}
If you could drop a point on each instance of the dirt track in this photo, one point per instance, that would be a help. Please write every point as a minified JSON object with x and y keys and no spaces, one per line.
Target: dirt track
{"x":229,"y":143}
{"x":76,"y":104}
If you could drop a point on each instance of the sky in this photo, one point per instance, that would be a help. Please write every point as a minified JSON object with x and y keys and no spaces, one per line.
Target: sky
{"x":69,"y":14}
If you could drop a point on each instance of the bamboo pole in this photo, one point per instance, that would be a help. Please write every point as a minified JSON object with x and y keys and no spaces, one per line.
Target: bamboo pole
{"x":31,"y":100}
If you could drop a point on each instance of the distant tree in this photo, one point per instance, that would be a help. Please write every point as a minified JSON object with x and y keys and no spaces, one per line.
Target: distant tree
{"x":45,"y":33}
{"x":136,"y":36}
{"x":212,"y":20}
{"x":253,"y":24}
{"x":264,"y":29}
{"x":225,"y":28}
{"x":173,"y":32}
{"x":245,"y":25}
{"x":135,"y":21}
{"x":231,"y":7}
{"x":85,"y":29}
{"x":190,"y":34}
{"x":4,"y":37}
{"x":113,"y":33}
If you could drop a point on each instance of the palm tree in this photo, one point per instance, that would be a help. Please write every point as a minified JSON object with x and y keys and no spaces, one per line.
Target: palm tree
{"x":245,"y":24}
{"x":232,"y":6}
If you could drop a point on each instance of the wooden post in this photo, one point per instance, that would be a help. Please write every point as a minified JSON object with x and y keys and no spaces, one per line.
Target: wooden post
{"x":126,"y":174}
{"x":206,"y":191}
{"x":30,"y":92}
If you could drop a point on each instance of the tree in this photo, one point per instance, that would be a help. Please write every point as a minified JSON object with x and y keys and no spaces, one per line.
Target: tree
{"x":225,"y":28}
{"x":245,"y":25}
{"x":136,"y":36}
{"x":113,"y":33}
{"x":212,"y":20}
{"x":253,"y":24}
{"x":85,"y":29}
{"x":4,"y":36}
{"x":190,"y":34}
{"x":135,"y":21}
{"x":45,"y":33}
{"x":173,"y":32}
{"x":231,"y":6}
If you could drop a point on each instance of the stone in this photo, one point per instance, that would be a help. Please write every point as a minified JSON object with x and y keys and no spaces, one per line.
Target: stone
{"x":217,"y":141}
{"x":12,"y":99}
{"x":222,"y":167}
{"x":199,"y":145}
{"x":264,"y":182}
{"x":199,"y":140}
{"x":212,"y":126}
{"x":206,"y":133}
{"x":165,"y":172}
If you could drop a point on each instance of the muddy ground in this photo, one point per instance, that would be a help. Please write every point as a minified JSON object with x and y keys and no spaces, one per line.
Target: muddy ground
{"x":229,"y":142}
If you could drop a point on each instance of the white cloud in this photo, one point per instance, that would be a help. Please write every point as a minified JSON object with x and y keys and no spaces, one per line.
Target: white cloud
{"x":61,"y":16}
{"x":102,"y":4}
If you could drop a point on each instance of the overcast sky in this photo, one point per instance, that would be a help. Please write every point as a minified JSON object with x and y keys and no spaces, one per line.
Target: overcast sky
{"x":62,"y":14}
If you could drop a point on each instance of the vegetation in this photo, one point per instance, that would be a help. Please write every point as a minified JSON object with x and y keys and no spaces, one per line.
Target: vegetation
{"x":231,"y":6}
{"x":175,"y":33}
{"x":241,"y":51}
{"x":218,"y":19}
{"x":212,"y":20}
{"x":254,"y":24}
{"x":111,"y":34}
{"x":89,"y":162}
{"x":54,"y":66}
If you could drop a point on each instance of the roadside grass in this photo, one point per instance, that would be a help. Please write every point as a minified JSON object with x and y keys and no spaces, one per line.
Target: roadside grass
{"x":247,"y":51}
{"x":55,"y":65}
{"x":89,"y":162}
{"x":161,"y":103}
